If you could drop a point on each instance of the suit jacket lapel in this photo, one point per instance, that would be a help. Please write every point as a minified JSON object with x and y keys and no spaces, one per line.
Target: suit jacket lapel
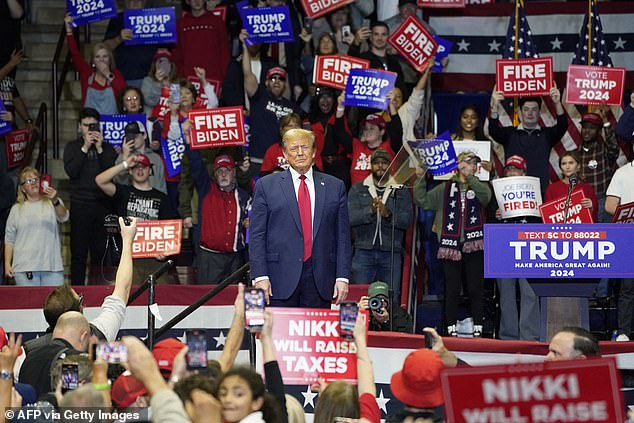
{"x":320,"y":200}
{"x":286,"y":184}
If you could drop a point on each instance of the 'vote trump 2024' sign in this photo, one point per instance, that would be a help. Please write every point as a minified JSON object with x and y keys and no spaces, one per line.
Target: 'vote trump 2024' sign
{"x":558,"y":250}
{"x":594,"y":85}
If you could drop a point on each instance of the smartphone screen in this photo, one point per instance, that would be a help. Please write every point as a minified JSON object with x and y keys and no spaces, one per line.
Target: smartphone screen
{"x":366,"y":23}
{"x":197,"y":344}
{"x":164,"y":65}
{"x":429,"y":339}
{"x":70,"y":376}
{"x":347,"y":319}
{"x":112,"y":352}
{"x":45,"y":182}
{"x":308,"y":24}
{"x":94,"y":127}
{"x":346,"y":31}
{"x":175,"y":93}
{"x":254,"y":309}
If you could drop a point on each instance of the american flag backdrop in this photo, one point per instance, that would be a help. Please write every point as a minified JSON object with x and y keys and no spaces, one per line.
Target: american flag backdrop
{"x":482,"y":34}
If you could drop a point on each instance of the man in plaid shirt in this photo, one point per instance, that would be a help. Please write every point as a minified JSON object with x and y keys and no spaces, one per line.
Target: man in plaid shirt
{"x":598,"y":159}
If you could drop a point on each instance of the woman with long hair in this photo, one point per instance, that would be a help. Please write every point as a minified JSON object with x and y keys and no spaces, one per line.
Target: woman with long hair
{"x":341,"y":399}
{"x":32,"y":253}
{"x":570,"y":165}
{"x":459,"y":204}
{"x":470,"y":129}
{"x":101,"y":82}
{"x":162,"y":74}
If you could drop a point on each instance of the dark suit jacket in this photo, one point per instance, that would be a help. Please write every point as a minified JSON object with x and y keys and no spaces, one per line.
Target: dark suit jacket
{"x":276,"y":247}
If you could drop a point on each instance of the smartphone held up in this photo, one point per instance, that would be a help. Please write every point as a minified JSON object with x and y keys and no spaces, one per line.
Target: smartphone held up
{"x":254,"y":309}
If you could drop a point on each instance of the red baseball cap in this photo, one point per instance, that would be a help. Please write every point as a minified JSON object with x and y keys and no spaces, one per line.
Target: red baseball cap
{"x":418,"y":383}
{"x":143,"y":160}
{"x":126,"y":389}
{"x":276,"y":70}
{"x":516,"y":161}
{"x":160,"y":53}
{"x":3,"y":338}
{"x":224,"y":160}
{"x":593,"y":118}
{"x":374,"y":120}
{"x":164,"y":353}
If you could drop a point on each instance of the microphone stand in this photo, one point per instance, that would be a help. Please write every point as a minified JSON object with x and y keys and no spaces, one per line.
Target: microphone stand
{"x":150,"y":281}
{"x":572,"y":182}
{"x":396,"y":188}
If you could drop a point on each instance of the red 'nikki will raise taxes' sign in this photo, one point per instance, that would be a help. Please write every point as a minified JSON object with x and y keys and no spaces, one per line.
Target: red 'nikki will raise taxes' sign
{"x":308,"y":346}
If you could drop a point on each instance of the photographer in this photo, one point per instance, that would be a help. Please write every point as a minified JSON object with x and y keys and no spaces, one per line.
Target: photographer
{"x":84,"y":159}
{"x":377,"y":301}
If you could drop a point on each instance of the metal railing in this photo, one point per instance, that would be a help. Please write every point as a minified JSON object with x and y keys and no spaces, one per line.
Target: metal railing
{"x":154,"y":333}
{"x":59,"y":79}
{"x":38,"y":137}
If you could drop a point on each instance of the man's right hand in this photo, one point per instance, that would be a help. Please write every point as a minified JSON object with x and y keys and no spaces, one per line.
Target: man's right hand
{"x":126,"y":34}
{"x":8,"y":271}
{"x":126,"y":149}
{"x":361,"y":35}
{"x":243,"y":36}
{"x":496,"y":98}
{"x":265,"y":285}
{"x":128,"y":232}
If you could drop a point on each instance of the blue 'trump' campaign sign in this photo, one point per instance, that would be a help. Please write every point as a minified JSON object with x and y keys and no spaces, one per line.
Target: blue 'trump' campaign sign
{"x":112,"y":126}
{"x":369,"y":88}
{"x":558,"y":251}
{"x":5,"y":126}
{"x":437,"y":154}
{"x":173,"y":150}
{"x":267,"y":24}
{"x":444,"y":47}
{"x":87,"y":11}
{"x":151,"y":26}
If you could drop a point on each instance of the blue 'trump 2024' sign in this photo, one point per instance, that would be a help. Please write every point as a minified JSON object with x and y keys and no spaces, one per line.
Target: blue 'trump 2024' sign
{"x":558,"y":251}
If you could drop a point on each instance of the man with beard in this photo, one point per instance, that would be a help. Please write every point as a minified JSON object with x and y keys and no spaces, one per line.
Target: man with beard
{"x":223,"y":213}
{"x":598,"y":159}
{"x":373,"y":209}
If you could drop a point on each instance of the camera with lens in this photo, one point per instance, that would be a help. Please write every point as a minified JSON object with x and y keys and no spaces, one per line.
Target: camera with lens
{"x":111,"y":223}
{"x":375,"y":303}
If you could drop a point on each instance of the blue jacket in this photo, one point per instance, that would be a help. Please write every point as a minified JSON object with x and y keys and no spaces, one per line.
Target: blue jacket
{"x":276,"y":247}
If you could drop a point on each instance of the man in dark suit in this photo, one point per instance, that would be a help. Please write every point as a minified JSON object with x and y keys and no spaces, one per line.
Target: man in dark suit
{"x":299,"y":246}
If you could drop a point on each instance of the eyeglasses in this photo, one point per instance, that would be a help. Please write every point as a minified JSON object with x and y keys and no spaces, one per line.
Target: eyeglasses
{"x":80,"y":300}
{"x":30,"y":181}
{"x":277,"y":78}
{"x":132,"y":98}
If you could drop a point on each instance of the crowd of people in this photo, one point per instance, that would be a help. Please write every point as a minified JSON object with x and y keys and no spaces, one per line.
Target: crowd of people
{"x":160,"y":386}
{"x":214,"y":190}
{"x":307,"y":202}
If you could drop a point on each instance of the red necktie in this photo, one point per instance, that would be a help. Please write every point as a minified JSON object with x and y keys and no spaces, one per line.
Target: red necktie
{"x":305,"y":215}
